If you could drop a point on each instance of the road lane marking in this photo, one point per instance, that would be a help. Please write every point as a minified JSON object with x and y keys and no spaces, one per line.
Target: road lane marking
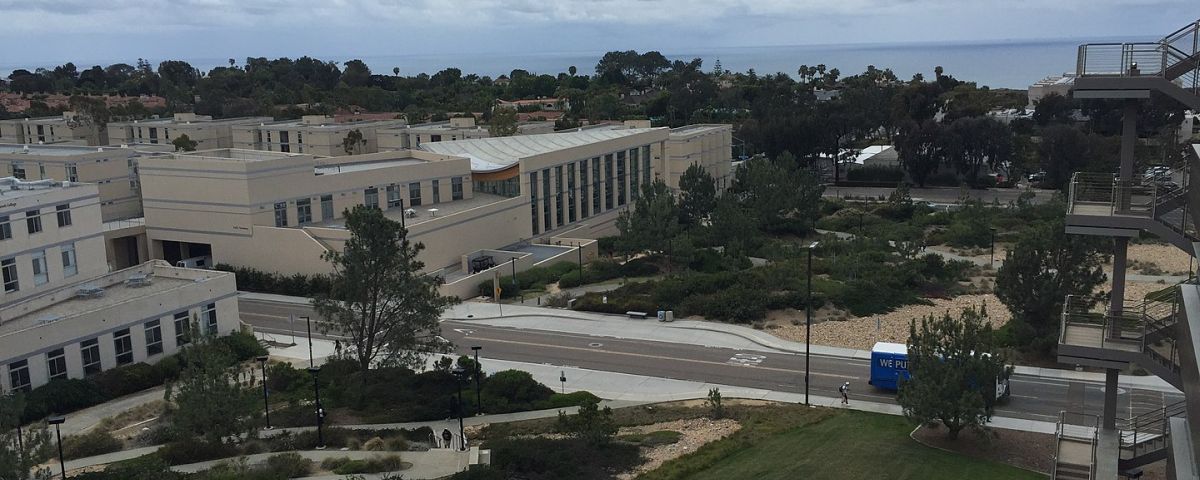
{"x":655,"y":357}
{"x":746,"y":359}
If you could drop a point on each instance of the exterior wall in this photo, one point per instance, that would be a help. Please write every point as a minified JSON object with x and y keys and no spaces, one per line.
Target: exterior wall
{"x":206,"y":132}
{"x":561,"y":163}
{"x":33,"y":343}
{"x":113,"y":170}
{"x":323,"y":139}
{"x":708,"y":146}
{"x":47,"y":130}
{"x":84,"y":233}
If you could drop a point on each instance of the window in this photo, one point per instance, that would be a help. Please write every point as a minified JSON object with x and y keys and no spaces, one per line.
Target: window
{"x":371,"y":197}
{"x":435,"y":138}
{"x":608,"y":182}
{"x":635,"y":180}
{"x":646,"y":164}
{"x":5,"y":228}
{"x":414,"y":194}
{"x":621,"y":178}
{"x":546,"y":225}
{"x":583,"y":189}
{"x":183,"y":329}
{"x":456,"y":188}
{"x":533,"y":200}
{"x":570,"y":192}
{"x":41,"y":170}
{"x":18,"y":376}
{"x":326,"y":207}
{"x":40,"y":277}
{"x":283,"y":142}
{"x":33,"y":221}
{"x":56,"y":363}
{"x":281,"y":214}
{"x":393,"y":196}
{"x":153,"y":338}
{"x":69,"y":263}
{"x":123,"y":345}
{"x":437,"y":192}
{"x":153,"y":135}
{"x":18,"y":170}
{"x":89,"y":351}
{"x":558,"y":195}
{"x":63,"y":212}
{"x":300,"y":142}
{"x":8,"y":267}
{"x":303,"y":211}
{"x":209,"y":316}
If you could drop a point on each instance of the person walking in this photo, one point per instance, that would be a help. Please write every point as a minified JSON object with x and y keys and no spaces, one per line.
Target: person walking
{"x":845,"y":391}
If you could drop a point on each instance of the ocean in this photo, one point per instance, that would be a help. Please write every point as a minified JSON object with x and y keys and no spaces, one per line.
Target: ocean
{"x":997,"y":64}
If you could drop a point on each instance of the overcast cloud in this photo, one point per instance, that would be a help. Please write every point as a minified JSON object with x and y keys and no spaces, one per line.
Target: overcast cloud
{"x":84,"y":31}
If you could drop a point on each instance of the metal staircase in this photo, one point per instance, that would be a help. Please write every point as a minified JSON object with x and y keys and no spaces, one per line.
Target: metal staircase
{"x":1170,"y":65}
{"x":1157,"y":206}
{"x":1145,"y":438}
{"x":1076,"y":437}
{"x":1142,"y":333}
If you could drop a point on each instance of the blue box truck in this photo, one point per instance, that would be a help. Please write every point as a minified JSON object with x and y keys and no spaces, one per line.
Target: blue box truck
{"x":889,"y":364}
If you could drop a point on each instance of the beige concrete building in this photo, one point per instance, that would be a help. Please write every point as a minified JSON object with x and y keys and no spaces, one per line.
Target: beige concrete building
{"x":1056,"y":84}
{"x":408,"y":137}
{"x":547,"y":104}
{"x":313,"y":134}
{"x":202,"y":129}
{"x":139,"y":314}
{"x":710,"y":146}
{"x":112,"y":169}
{"x":67,"y":128}
{"x":50,"y":235}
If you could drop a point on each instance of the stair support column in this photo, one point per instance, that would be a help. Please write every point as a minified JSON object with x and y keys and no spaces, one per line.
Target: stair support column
{"x":1109,"y":421}
{"x":1128,"y":137}
{"x":1116,"y":301}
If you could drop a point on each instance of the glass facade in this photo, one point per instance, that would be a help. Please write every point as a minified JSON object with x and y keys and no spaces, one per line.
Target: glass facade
{"x":584,"y":198}
{"x":546,"y":225}
{"x":622,"y":191}
{"x":558,"y":196}
{"x":510,"y":187}
{"x":570,"y":192}
{"x":533,"y":200}
{"x":610,"y":192}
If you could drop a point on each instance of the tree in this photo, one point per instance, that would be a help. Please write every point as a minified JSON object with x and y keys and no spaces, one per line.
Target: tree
{"x":379,"y":298}
{"x":779,"y":195}
{"x":1044,"y":266}
{"x":652,"y":223}
{"x":208,"y":400}
{"x":503,"y":123}
{"x":953,"y":370}
{"x":396,"y":71}
{"x":1063,"y":150}
{"x":572,"y":70}
{"x":356,"y":74}
{"x":1053,"y":108}
{"x":591,"y":424}
{"x":921,"y":148}
{"x":353,"y":142}
{"x":183,"y":143}
{"x":697,"y":196}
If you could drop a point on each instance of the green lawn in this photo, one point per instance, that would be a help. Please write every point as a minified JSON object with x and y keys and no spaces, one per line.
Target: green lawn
{"x":840,"y":445}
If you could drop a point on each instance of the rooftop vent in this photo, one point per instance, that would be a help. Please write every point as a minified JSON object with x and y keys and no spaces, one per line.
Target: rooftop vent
{"x":48,"y":319}
{"x":89,"y":291}
{"x":139,"y":280}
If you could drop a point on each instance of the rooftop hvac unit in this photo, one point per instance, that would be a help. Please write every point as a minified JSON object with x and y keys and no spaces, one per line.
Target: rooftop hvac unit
{"x":89,"y":291}
{"x":138,"y":280}
{"x":48,"y":319}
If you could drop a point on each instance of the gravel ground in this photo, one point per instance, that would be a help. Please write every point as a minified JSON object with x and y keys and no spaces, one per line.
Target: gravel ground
{"x":1166,"y":258}
{"x":1028,"y":450}
{"x":695,"y":433}
{"x":861,"y":332}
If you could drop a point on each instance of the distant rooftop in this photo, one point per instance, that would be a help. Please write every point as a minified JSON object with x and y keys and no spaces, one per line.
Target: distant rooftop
{"x":423,"y":213}
{"x":698,"y":128}
{"x":241,"y":154}
{"x":317,"y":122}
{"x":65,"y":302}
{"x":187,"y":118}
{"x":11,"y":188}
{"x":53,"y":150}
{"x":498,"y":153}
{"x":362,"y":166}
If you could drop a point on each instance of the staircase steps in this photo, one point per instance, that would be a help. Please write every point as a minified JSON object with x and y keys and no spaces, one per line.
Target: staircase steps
{"x":1068,"y":471}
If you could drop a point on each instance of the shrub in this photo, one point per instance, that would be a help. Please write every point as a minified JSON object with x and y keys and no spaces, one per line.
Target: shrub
{"x":876,"y":174}
{"x":480,"y":472}
{"x":376,"y":464}
{"x":119,"y":382}
{"x":544,"y":459}
{"x":243,"y":346}
{"x":652,"y":439}
{"x":193,"y":450}
{"x":61,"y":396}
{"x":945,"y":179}
{"x":289,"y":465}
{"x":517,"y":387}
{"x":563,"y":400}
{"x":95,"y":442}
{"x":297,"y":285}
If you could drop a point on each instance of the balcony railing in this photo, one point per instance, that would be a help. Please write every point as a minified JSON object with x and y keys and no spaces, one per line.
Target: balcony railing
{"x":1105,"y":194}
{"x":1148,"y":427}
{"x":1142,"y":323}
{"x":1076,"y":427}
{"x":1171,"y":58}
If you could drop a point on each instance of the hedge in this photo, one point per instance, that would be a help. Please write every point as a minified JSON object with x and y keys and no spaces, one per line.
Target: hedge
{"x":875,"y":173}
{"x":298,"y":285}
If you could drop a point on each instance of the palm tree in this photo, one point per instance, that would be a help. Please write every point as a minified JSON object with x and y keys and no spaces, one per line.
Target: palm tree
{"x":396,"y":71}
{"x":232,"y":62}
{"x":572,"y":70}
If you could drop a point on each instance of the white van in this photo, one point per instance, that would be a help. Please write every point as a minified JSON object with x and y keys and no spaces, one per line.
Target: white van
{"x":195,"y":262}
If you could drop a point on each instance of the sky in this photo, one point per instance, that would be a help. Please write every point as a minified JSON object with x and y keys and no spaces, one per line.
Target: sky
{"x":49,"y":32}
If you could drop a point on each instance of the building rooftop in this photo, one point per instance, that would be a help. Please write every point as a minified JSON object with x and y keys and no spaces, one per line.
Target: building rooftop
{"x":423,"y":213}
{"x":498,"y":153}
{"x":54,"y":150}
{"x":698,"y":128}
{"x":187,"y":119}
{"x":241,"y":154}
{"x":11,"y":188}
{"x":361,"y":166}
{"x":106,"y":291}
{"x":330,"y":124}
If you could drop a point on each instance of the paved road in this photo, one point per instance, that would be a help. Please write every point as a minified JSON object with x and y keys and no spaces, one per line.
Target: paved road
{"x":1033,"y":398}
{"x":938,"y":195}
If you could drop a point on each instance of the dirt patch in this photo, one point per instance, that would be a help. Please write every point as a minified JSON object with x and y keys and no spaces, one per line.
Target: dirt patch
{"x":1028,"y":450}
{"x":694,"y":434}
{"x":1157,"y":259}
{"x":862,"y":332}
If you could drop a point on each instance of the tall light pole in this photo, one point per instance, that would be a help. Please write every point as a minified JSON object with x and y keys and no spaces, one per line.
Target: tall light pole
{"x":513,"y":261}
{"x":462,"y":438}
{"x":478,"y":372}
{"x":808,"y":321}
{"x":579,"y":249}
{"x":992,"y":262}
{"x":56,"y":421}
{"x":320,"y":412}
{"x":262,"y":361}
{"x":308,"y":325}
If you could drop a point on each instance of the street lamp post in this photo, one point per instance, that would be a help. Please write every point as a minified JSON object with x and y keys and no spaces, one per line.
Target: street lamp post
{"x":579,"y":249}
{"x":992,"y":261}
{"x":478,"y":372}
{"x":315,"y":371}
{"x":808,"y":321}
{"x":308,"y":325}
{"x":462,"y":439}
{"x":262,"y":361}
{"x":56,"y":421}
{"x":513,"y":261}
